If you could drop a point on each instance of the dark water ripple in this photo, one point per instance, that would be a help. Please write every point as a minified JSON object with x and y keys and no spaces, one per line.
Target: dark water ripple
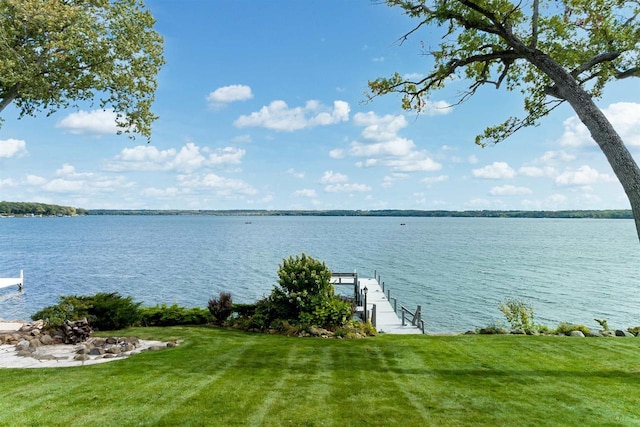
{"x":458,"y":269}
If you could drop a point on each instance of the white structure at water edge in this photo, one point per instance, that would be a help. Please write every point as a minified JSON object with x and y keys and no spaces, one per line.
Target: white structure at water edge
{"x":5,"y":282}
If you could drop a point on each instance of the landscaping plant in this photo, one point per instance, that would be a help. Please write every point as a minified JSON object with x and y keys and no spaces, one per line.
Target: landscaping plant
{"x":304,"y":298}
{"x":519,"y":314}
{"x":221,"y":307}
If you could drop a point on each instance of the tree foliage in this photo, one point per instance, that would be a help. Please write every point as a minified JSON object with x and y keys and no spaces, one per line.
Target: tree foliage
{"x":304,"y":297}
{"x":27,"y":208}
{"x":57,"y":53}
{"x":551,"y":51}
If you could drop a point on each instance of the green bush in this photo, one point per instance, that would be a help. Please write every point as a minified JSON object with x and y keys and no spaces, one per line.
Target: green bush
{"x":603,"y":324}
{"x":103,"y":311}
{"x":635,"y":330}
{"x":495,"y":328}
{"x":173,"y":315}
{"x":110,"y":311}
{"x":330,"y":313}
{"x":565,"y":328}
{"x":303,"y":298}
{"x":519,"y":314}
{"x":221,"y":307}
{"x":54,"y":316}
{"x":243,"y":309}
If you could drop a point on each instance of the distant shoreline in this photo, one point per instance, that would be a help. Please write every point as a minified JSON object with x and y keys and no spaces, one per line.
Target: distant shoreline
{"x":32,"y":209}
{"x":571,"y":214}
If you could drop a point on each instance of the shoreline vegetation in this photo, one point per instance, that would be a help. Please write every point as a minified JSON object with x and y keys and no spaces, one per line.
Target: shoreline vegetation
{"x":30,"y":209}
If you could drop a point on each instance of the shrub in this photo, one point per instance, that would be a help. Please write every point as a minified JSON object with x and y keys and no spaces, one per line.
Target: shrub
{"x":328,"y":313}
{"x":353,"y":329}
{"x":173,"y":315}
{"x":565,"y":328}
{"x":243,"y":309}
{"x":221,"y":307}
{"x":103,"y":311}
{"x":303,"y":298}
{"x":519,"y":314}
{"x":543,"y":329}
{"x":110,"y":311}
{"x":54,"y":316}
{"x":495,"y":328}
{"x":635,"y":330}
{"x":603,"y":324}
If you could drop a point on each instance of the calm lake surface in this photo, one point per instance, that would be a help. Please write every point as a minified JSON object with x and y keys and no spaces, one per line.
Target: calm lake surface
{"x":458,"y":269}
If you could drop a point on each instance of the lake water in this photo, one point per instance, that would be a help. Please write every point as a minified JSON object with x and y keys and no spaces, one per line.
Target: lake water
{"x":458,"y":269}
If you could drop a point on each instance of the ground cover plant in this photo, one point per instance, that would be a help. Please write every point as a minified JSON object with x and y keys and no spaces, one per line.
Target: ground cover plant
{"x":222,"y":377}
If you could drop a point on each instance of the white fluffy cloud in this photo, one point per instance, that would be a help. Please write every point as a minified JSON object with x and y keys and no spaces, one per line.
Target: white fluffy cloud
{"x":67,"y":181}
{"x":509,"y":190}
{"x":537,"y":172}
{"x":497,"y":170}
{"x":380,"y":144}
{"x":331,"y":177}
{"x":346,"y":188}
{"x":221,"y":186}
{"x":228,"y":94}
{"x":12,"y":148}
{"x":584,"y":175}
{"x":624,"y":116}
{"x":437,"y":108}
{"x":96,"y":122}
{"x":279,"y":117}
{"x":434,"y":179}
{"x":189,"y":158}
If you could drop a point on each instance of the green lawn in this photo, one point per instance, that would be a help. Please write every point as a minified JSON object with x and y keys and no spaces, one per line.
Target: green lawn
{"x":221,"y":377}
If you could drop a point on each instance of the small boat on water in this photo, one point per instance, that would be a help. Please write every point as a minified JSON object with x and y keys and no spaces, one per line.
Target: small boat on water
{"x":5,"y":282}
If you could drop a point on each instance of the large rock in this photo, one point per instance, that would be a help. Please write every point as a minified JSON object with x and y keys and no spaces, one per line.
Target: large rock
{"x":23,"y":345}
{"x":576,"y":334}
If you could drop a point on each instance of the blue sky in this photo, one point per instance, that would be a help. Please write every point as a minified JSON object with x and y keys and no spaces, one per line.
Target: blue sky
{"x":261,"y":107}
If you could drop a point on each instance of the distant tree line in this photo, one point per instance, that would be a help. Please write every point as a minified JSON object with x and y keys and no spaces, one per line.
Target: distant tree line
{"x":610,"y":214}
{"x":32,"y":208}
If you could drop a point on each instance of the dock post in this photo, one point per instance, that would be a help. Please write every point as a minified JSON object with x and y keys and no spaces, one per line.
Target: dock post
{"x":417,"y":317}
{"x":403,"y":321}
{"x":373,"y":315}
{"x":366,"y":314}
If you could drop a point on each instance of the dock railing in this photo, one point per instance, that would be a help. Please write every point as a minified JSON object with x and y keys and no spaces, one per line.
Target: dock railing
{"x":415,"y":317}
{"x":347,"y":279}
{"x":351,"y":279}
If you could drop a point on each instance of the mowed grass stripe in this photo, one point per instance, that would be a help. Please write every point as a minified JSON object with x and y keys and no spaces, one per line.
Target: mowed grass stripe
{"x":279,"y":388}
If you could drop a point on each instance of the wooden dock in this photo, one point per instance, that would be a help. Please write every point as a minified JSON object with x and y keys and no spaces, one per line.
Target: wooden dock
{"x":6,"y":282}
{"x":379,"y":311}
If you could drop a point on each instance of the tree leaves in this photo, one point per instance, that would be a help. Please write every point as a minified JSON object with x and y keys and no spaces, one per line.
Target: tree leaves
{"x":55,"y":54}
{"x":495,"y":42}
